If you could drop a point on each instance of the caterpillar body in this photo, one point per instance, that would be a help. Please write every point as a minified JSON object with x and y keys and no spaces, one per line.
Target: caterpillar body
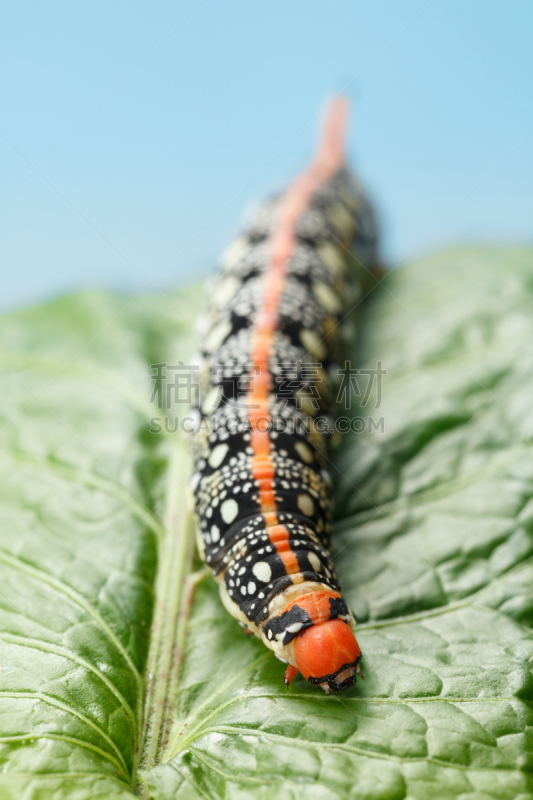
{"x":262,"y":491}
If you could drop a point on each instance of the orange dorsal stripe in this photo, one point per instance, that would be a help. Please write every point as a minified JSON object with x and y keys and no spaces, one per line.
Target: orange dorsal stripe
{"x":328,"y":160}
{"x":279,"y":537}
{"x":290,"y":562}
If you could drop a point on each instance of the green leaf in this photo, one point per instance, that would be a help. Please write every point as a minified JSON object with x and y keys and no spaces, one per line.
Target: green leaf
{"x":83,"y":492}
{"x":433,"y":543}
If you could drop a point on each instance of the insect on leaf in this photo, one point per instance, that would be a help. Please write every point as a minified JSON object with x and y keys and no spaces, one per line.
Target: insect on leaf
{"x":433,"y":543}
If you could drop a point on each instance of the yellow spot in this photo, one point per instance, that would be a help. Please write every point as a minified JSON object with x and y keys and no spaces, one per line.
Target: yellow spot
{"x":306,"y":505}
{"x":332,"y":257}
{"x":327,"y":298}
{"x":312,"y":343}
{"x":304,"y":452}
{"x":314,"y":561}
{"x":341,"y":219}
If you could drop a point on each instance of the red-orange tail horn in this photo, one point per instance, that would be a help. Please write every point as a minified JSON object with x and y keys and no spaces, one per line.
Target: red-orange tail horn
{"x":332,"y":148}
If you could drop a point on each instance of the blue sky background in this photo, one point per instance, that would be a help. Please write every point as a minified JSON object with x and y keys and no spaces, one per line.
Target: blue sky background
{"x":134,"y":136}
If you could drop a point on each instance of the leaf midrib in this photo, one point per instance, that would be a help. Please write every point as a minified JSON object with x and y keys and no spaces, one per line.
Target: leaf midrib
{"x":173,"y":593}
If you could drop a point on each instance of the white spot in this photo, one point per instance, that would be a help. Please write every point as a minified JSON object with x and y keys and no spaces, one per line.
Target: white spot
{"x":217,"y":335}
{"x":314,"y":561}
{"x":243,"y":589}
{"x":195,"y":480}
{"x":304,"y":452}
{"x":269,"y":634}
{"x":215,"y":533}
{"x":262,"y":571}
{"x":225,"y":290}
{"x":212,"y":399}
{"x":295,"y":627}
{"x":218,"y":455}
{"x":235,"y":252}
{"x":305,"y":504}
{"x":251,"y":587}
{"x":229,"y":510}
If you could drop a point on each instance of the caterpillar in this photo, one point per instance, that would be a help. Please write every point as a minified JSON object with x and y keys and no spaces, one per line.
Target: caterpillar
{"x":261,"y":488}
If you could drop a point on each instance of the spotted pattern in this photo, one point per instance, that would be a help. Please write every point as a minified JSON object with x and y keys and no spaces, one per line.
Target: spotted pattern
{"x":261,"y":489}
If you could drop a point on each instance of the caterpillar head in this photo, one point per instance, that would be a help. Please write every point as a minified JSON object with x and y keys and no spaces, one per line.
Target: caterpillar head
{"x":328,"y":655}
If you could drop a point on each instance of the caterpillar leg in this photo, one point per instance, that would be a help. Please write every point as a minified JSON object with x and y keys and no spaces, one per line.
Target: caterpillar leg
{"x":245,"y":630}
{"x":290,"y":674}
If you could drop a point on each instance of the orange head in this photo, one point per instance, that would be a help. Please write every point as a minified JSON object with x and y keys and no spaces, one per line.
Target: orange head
{"x":328,"y":655}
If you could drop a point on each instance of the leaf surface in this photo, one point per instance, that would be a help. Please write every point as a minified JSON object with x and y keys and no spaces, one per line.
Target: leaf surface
{"x":83,"y":489}
{"x":433,"y":543}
